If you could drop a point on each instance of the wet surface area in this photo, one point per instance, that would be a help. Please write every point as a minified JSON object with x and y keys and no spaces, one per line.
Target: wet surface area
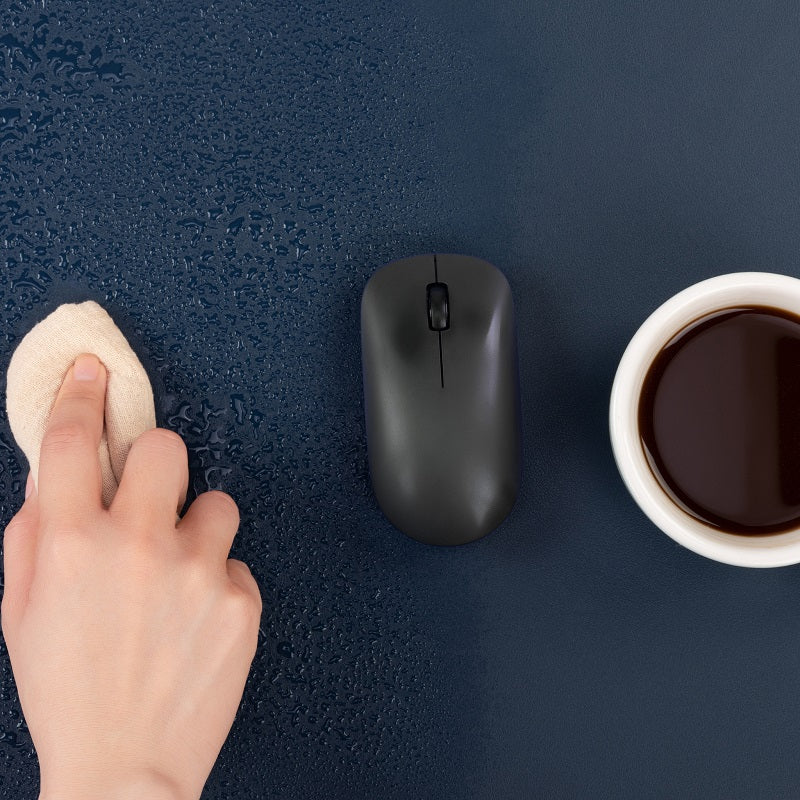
{"x":224,"y":178}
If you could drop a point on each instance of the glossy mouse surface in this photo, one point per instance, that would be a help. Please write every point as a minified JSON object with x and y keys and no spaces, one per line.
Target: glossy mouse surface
{"x":441,"y":396}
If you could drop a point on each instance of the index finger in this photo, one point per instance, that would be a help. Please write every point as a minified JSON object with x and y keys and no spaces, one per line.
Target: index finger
{"x":70,"y":478}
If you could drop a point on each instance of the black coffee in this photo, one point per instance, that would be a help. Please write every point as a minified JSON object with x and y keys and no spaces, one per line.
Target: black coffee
{"x":719,"y":419}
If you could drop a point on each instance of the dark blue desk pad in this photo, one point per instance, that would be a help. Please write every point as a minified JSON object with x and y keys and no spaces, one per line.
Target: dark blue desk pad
{"x":225,"y":177}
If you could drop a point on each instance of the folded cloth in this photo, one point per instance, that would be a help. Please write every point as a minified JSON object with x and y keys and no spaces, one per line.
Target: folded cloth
{"x":37,"y":370}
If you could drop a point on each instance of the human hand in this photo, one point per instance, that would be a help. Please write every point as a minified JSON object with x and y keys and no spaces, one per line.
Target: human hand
{"x":130,"y":632}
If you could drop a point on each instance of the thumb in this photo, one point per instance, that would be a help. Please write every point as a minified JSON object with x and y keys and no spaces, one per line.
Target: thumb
{"x":19,"y":552}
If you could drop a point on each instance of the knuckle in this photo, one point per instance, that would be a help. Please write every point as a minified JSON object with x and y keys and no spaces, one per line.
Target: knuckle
{"x":195,"y":567}
{"x":162,"y":440}
{"x":65,"y":555}
{"x":139,"y":552}
{"x":241,"y":605}
{"x":75,"y":521}
{"x":225,"y":503}
{"x":68,"y":529}
{"x":79,"y":394}
{"x":65,"y":435}
{"x":240,"y":572}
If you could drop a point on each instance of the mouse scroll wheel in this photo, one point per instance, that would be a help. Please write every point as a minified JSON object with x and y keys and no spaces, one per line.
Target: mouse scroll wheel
{"x":438,"y":307}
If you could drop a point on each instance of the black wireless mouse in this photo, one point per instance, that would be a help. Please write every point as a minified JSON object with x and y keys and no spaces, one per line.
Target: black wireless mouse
{"x":441,"y":396}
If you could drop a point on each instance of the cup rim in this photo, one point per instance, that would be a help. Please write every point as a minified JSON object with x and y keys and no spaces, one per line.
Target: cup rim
{"x":697,"y":300}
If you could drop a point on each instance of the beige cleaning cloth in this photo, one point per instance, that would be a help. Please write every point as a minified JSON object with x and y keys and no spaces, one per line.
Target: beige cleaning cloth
{"x":37,"y":370}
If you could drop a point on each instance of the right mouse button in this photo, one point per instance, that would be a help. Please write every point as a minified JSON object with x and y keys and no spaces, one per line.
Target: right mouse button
{"x":438,"y":307}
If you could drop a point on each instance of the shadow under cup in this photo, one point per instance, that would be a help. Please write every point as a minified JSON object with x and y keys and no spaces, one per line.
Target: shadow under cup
{"x":658,"y":496}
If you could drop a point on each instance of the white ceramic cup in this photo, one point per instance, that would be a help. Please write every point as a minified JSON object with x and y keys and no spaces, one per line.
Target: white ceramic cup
{"x":724,"y":291}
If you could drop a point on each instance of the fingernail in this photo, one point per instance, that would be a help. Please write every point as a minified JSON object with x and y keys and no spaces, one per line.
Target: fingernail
{"x":87,"y":367}
{"x":28,"y":485}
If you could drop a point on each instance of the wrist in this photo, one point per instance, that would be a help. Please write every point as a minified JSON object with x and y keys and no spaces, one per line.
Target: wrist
{"x":144,"y":786}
